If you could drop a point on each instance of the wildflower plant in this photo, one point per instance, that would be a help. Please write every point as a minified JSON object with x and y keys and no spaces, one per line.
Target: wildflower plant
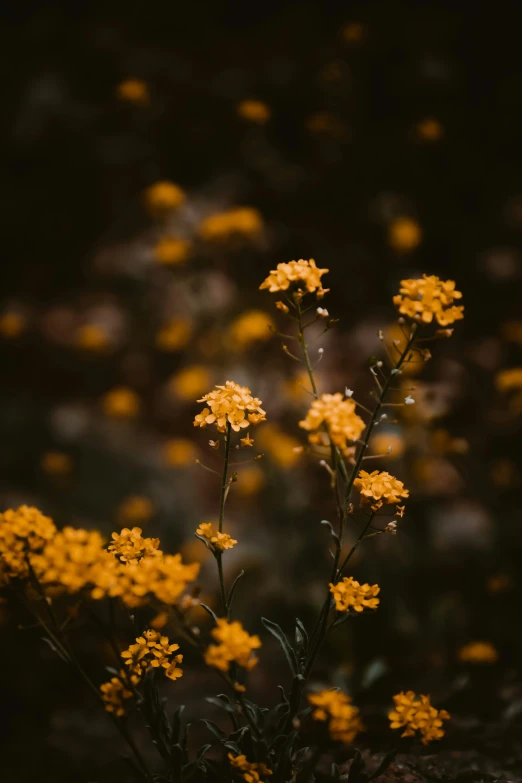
{"x":131,"y":589}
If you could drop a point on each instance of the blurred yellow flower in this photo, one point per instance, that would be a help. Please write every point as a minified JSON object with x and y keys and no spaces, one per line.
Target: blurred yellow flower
{"x":190,"y":382}
{"x":249,"y":327}
{"x":129,"y":546}
{"x":234,"y":645}
{"x":430,"y":129}
{"x":121,"y":403}
{"x":416,"y":714}
{"x":133,"y":91}
{"x":174,"y":335}
{"x":91,"y":337}
{"x":219,"y":541}
{"x":283,"y":449}
{"x":350,"y":594}
{"x":12,"y":325}
{"x":427,"y":298}
{"x":339,"y":416}
{"x":478,"y":652}
{"x":297,"y":388}
{"x":507,"y":380}
{"x":179,"y":451}
{"x":159,"y":621}
{"x":512,"y":331}
{"x":404,"y":234}
{"x":253,"y":111}
{"x":56,"y":463}
{"x":135,"y":509}
{"x":237,"y":221}
{"x":383,"y":440}
{"x":171,"y":251}
{"x":163,"y":197}
{"x":379,"y":487}
{"x":251,"y":479}
{"x":344,"y":722}
{"x":251,"y":770}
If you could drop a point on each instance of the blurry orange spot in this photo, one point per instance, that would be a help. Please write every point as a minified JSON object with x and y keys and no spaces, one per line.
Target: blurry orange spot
{"x":12,"y":325}
{"x":324,"y":122}
{"x":179,"y":451}
{"x":238,"y":221}
{"x":382,"y":441}
{"x":283,"y":449}
{"x":175,"y":335}
{"x":191,"y":382}
{"x":250,"y":327}
{"x":91,"y":337}
{"x":171,"y":251}
{"x":504,"y":474}
{"x":404,"y":234}
{"x":121,"y":403}
{"x":133,"y":91}
{"x":353,"y":32}
{"x":253,"y":111}
{"x":159,"y":621}
{"x":250,"y":480}
{"x":478,"y":652}
{"x":499,"y":583}
{"x":430,"y":129}
{"x":135,"y":509}
{"x":506,"y":380}
{"x":163,"y":197}
{"x":56,"y":463}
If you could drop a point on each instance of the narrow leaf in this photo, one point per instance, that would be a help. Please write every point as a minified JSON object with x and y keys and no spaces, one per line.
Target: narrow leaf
{"x":276,"y":631}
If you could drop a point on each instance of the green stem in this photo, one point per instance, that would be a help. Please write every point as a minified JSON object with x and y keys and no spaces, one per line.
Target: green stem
{"x":224,"y":482}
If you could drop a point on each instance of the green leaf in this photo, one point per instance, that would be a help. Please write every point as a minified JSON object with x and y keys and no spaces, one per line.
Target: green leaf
{"x":276,"y":631}
{"x":214,"y":729}
{"x":211,"y":613}
{"x":233,"y":588}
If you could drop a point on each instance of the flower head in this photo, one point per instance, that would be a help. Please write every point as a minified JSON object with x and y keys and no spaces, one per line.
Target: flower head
{"x":234,"y":644}
{"x":335,"y":707}
{"x":23,"y":531}
{"x":129,"y":546}
{"x":417,"y":714}
{"x":121,"y":403}
{"x":379,"y":487}
{"x":478,"y":652}
{"x":338,"y":415}
{"x":163,"y":197}
{"x":171,"y":251}
{"x":230,"y":404}
{"x":300,"y":271}
{"x":67,"y":560}
{"x":219,"y":541}
{"x":152,"y":650}
{"x":349,"y":594}
{"x":251,"y":770}
{"x":114,"y":693}
{"x":242,"y":222}
{"x":404,"y":234}
{"x":429,"y":298}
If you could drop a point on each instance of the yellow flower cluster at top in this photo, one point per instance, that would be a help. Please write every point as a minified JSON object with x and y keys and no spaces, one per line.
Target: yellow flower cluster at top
{"x":230,"y":404}
{"x":129,"y":546}
{"x":417,"y":714}
{"x":379,"y":487}
{"x":153,"y":650}
{"x":251,"y":770}
{"x":219,"y":541}
{"x":22,"y":531}
{"x":300,"y":271}
{"x":349,"y":594}
{"x":429,"y":298}
{"x":243,"y":222}
{"x":338,"y":415}
{"x":478,"y":652}
{"x":234,"y":645}
{"x":344,"y":722}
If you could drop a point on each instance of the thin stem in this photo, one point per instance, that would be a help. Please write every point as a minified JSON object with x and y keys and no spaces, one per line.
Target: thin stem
{"x":224,"y":482}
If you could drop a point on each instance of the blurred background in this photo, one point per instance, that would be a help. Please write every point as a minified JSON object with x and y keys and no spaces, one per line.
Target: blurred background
{"x":381,"y":139}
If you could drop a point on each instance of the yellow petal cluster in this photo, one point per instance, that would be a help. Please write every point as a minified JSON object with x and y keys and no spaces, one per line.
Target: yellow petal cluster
{"x":251,"y":770}
{"x":230,"y":404}
{"x":300,"y":271}
{"x":238,"y":221}
{"x":338,"y":415}
{"x":417,"y":715}
{"x":429,"y":298}
{"x":335,"y":707}
{"x":478,"y":652}
{"x":68,"y":559}
{"x":219,"y":541}
{"x":349,"y":594}
{"x":129,"y":546}
{"x":379,"y":487}
{"x":114,"y":693}
{"x":23,"y":532}
{"x":153,"y":650}
{"x":234,"y":644}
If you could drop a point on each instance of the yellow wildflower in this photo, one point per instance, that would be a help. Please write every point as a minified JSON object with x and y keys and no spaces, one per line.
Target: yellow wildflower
{"x":129,"y":546}
{"x":246,"y":441}
{"x":251,"y":770}
{"x":254,"y":111}
{"x":219,"y":541}
{"x":234,"y":644}
{"x":179,"y":451}
{"x":67,"y":560}
{"x":417,"y":714}
{"x":478,"y":652}
{"x":251,"y":479}
{"x":174,"y":335}
{"x":507,"y":380}
{"x":91,"y":337}
{"x":429,"y":298}
{"x":23,"y":531}
{"x":113,"y":694}
{"x":11,"y":324}
{"x":382,"y":441}
{"x":190,"y":381}
{"x":159,"y":621}
{"x":56,"y":463}
{"x":335,"y":707}
{"x":404,"y":234}
{"x":133,"y":91}
{"x":430,"y":129}
{"x":338,"y":415}
{"x":171,"y":251}
{"x":300,"y":271}
{"x":239,"y":221}
{"x":232,"y":405}
{"x":163,"y":197}
{"x":249,"y":327}
{"x":379,"y":487}
{"x":153,"y":650}
{"x":349,"y":594}
{"x":135,"y":508}
{"x":121,"y":403}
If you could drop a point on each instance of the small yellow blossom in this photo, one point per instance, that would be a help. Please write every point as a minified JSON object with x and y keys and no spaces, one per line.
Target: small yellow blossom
{"x":430,"y":129}
{"x":429,"y":298}
{"x":417,"y":714}
{"x":300,"y":271}
{"x":234,"y":644}
{"x":338,"y":415}
{"x":404,"y":234}
{"x":243,"y":222}
{"x":251,"y":770}
{"x":478,"y":652}
{"x":171,"y":251}
{"x":282,"y":307}
{"x":67,"y":559}
{"x":11,"y":325}
{"x":23,"y":531}
{"x":163,"y":197}
{"x":91,"y":337}
{"x":232,"y":405}
{"x":250,"y":327}
{"x":190,"y":381}
{"x":381,"y":442}
{"x":129,"y":546}
{"x":254,"y":111}
{"x":159,"y":621}
{"x":56,"y":463}
{"x":114,"y":693}
{"x":349,"y":594}
{"x":246,"y":441}
{"x":153,"y":650}
{"x":121,"y":403}
{"x":135,"y":508}
{"x":251,"y":479}
{"x":507,"y":380}
{"x":174,"y":335}
{"x":133,"y":91}
{"x":379,"y":487}
{"x":179,"y":451}
{"x":219,"y":541}
{"x":335,"y":707}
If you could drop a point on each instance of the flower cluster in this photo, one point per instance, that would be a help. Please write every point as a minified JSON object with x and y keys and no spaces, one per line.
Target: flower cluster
{"x":230,"y":404}
{"x":219,"y":541}
{"x":478,"y":652}
{"x":114,"y":693}
{"x":234,"y":644}
{"x":344,"y":722}
{"x":338,"y":415}
{"x":349,"y":594}
{"x":153,"y":650}
{"x":379,"y":487}
{"x":238,"y":221}
{"x":417,"y":714}
{"x":171,"y":251}
{"x":67,"y":560}
{"x":300,"y":271}
{"x":429,"y":298}
{"x":129,"y":546}
{"x":251,"y":770}
{"x":23,"y":531}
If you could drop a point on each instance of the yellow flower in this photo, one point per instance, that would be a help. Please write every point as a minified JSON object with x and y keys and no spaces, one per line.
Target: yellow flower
{"x":136,"y":508}
{"x":219,"y":541}
{"x":417,"y":714}
{"x":243,"y":222}
{"x":254,"y":111}
{"x":251,"y":770}
{"x":284,"y":449}
{"x":404,"y":234}
{"x":300,"y":271}
{"x":67,"y":560}
{"x":234,"y":644}
{"x":382,"y":441}
{"x":171,"y":251}
{"x":429,"y":298}
{"x":230,"y":404}
{"x":190,"y":381}
{"x":129,"y":546}
{"x":152,"y":650}
{"x":12,"y":324}
{"x":248,"y":328}
{"x":246,"y":441}
{"x":159,"y":621}
{"x":338,"y":415}
{"x":379,"y":487}
{"x":23,"y":531}
{"x":114,"y":693}
{"x":56,"y":463}
{"x":91,"y":337}
{"x":430,"y":129}
{"x":179,"y":451}
{"x":507,"y":380}
{"x":133,"y":91}
{"x":174,"y":335}
{"x":251,"y":479}
{"x":478,"y":652}
{"x":163,"y":197}
{"x":335,"y":707}
{"x":349,"y":594}
{"x":121,"y":403}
